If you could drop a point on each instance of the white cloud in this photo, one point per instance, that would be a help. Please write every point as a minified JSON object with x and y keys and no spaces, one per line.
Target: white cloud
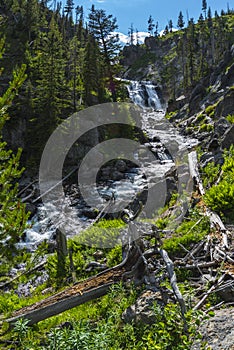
{"x":125,"y":39}
{"x":162,"y":31}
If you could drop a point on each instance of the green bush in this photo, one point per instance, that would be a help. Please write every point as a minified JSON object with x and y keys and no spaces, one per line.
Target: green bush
{"x":220,"y":197}
{"x":230,"y":118}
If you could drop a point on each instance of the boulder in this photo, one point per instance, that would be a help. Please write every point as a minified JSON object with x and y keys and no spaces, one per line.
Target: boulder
{"x":142,"y":310}
{"x":217,"y":331}
{"x":228,"y":78}
{"x":228,"y":138}
{"x":117,"y":175}
{"x":225,"y":106}
{"x":121,"y":165}
{"x":30,"y":208}
{"x":196,"y":96}
{"x":221,"y":126}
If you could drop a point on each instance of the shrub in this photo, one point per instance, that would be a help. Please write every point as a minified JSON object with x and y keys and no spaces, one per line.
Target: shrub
{"x":220,"y":197}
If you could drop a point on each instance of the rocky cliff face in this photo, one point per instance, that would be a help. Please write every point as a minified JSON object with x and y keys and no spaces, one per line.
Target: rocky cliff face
{"x":203,"y":110}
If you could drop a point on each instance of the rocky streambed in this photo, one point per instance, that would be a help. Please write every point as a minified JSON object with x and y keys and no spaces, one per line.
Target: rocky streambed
{"x":120,"y":178}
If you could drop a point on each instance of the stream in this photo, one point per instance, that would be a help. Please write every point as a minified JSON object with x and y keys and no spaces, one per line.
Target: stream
{"x":163,"y":140}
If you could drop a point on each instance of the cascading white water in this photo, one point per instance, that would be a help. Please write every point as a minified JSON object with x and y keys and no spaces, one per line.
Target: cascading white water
{"x":144,"y":94}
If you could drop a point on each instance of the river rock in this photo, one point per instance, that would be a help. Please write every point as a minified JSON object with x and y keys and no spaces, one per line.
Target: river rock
{"x":117,"y":175}
{"x":30,"y":208}
{"x":90,"y":213}
{"x":121,"y":165}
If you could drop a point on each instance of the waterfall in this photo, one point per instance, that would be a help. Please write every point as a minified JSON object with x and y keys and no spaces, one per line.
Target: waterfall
{"x":160,"y":133}
{"x":144,"y":94}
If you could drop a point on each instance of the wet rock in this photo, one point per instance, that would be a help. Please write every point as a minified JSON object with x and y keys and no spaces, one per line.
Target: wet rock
{"x":30,"y":208}
{"x":105,"y":173}
{"x":121,"y":165}
{"x":90,"y":213}
{"x":117,"y":175}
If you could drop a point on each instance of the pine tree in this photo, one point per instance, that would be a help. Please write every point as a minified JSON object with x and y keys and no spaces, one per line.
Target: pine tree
{"x":170,"y":25}
{"x":50,"y":95}
{"x":166,"y":30}
{"x":204,"y":7}
{"x":131,"y":35}
{"x":191,"y":50}
{"x":12,"y":212}
{"x":180,"y":23}
{"x":79,"y":22}
{"x":92,"y":73}
{"x":211,"y":30}
{"x":156,"y":34}
{"x":151,"y":25}
{"x":102,"y":27}
{"x":137,"y":38}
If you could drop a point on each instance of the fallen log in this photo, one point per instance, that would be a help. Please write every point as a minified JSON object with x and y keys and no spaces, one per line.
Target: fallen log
{"x":78,"y":294}
{"x":39,"y":314}
{"x":89,"y":289}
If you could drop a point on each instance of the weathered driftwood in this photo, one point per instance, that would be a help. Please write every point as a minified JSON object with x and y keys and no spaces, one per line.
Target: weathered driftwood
{"x":172,"y":277}
{"x":193,"y":168}
{"x":196,"y":265}
{"x":211,"y":290}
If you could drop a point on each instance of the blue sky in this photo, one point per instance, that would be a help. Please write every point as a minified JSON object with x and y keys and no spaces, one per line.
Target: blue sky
{"x":138,"y":11}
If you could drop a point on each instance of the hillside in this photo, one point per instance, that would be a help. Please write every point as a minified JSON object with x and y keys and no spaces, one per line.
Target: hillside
{"x":119,"y":279}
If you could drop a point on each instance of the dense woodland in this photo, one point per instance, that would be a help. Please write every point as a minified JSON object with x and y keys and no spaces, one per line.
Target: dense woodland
{"x":56,"y":61}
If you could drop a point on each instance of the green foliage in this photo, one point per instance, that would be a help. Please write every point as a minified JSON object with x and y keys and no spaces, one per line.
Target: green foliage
{"x":170,"y":115}
{"x":12,"y":214}
{"x":230,"y":118}
{"x":146,"y":59}
{"x":220,"y":197}
{"x":210,"y":110}
{"x":105,"y":233}
{"x":210,"y":174}
{"x":206,"y":128}
{"x":188,"y":233}
{"x":107,"y":330}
